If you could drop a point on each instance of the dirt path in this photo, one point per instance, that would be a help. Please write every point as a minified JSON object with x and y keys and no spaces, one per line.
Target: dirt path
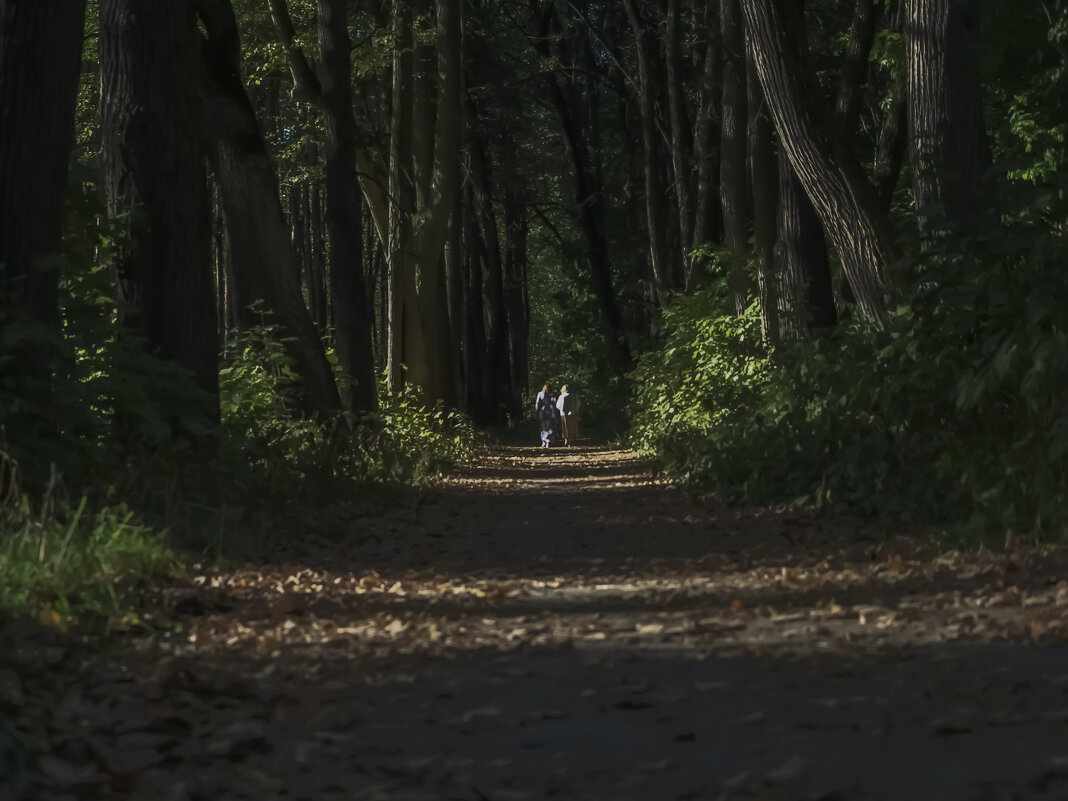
{"x":558,"y":625}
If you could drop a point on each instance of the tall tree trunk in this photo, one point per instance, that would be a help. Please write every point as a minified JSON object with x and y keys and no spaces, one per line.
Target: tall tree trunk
{"x":589,"y":200}
{"x":655,"y":213}
{"x":499,"y":373}
{"x":806,"y":301}
{"x":733,"y":190}
{"x":834,"y":181}
{"x":891,"y":144}
{"x":155,"y":179}
{"x":681,"y":132}
{"x":348,"y":288}
{"x":401,"y":197}
{"x":854,"y":70}
{"x":763,"y":177}
{"x":947,"y":134}
{"x":517,"y":300}
{"x":40,"y":60}
{"x":708,"y":216}
{"x":319,"y":296}
{"x":263,"y":261}
{"x":475,"y":350}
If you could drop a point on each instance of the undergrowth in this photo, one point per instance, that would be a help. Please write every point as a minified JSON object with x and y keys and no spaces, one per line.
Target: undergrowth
{"x":954,"y":415}
{"x":127,"y":471}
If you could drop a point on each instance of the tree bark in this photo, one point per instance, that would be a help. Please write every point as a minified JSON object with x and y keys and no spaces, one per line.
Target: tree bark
{"x":708,"y":215}
{"x":655,"y":188}
{"x":155,"y":180}
{"x":763,"y":177}
{"x":350,"y":295}
{"x":854,"y":70}
{"x":733,"y":189}
{"x":40,"y":61}
{"x":263,"y":261}
{"x":806,"y":301}
{"x":681,"y":131}
{"x":499,"y":369}
{"x":947,"y":135}
{"x":517,"y":299}
{"x":834,"y":181}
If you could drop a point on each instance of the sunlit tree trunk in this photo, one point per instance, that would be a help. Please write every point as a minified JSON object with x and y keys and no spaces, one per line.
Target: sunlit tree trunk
{"x":156,"y":179}
{"x":40,"y":60}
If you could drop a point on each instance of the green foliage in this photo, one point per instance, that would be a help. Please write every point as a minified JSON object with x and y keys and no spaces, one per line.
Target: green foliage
{"x":955,"y":415}
{"x":403,"y":442}
{"x":65,"y":561}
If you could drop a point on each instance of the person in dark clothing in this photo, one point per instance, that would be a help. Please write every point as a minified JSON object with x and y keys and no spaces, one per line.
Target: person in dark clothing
{"x":545,"y":409}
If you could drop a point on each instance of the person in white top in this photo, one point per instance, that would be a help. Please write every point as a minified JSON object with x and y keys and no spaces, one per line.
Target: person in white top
{"x":568,"y":405}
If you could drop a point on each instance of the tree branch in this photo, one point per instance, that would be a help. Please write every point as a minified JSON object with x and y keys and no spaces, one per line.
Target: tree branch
{"x":306,"y":84}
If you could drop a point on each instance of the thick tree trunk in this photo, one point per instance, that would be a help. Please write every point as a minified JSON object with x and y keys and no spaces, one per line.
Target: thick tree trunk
{"x":947,"y":135}
{"x":835,"y":183}
{"x":40,"y":60}
{"x":155,"y":179}
{"x":263,"y":261}
{"x":806,"y":301}
{"x":348,"y":288}
{"x":733,"y":190}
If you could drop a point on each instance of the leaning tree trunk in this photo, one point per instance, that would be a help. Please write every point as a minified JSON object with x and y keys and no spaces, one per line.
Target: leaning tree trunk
{"x":155,"y":180}
{"x":263,"y":262}
{"x":832,"y":179}
{"x":40,"y":60}
{"x":947,"y":136}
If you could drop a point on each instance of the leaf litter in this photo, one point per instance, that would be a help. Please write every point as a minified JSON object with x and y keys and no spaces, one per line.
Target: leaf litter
{"x":560,"y":625}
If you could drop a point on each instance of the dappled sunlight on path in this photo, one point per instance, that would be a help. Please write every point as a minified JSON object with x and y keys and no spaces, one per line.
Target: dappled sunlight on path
{"x":561,"y":624}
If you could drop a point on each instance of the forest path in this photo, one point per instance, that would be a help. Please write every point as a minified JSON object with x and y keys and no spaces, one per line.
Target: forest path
{"x":561,"y":625}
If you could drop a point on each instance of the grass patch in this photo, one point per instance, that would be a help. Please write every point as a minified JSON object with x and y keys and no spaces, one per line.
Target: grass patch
{"x":61,"y":562}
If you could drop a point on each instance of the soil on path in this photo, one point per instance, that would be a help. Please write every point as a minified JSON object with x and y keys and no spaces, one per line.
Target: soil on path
{"x":560,"y":625}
